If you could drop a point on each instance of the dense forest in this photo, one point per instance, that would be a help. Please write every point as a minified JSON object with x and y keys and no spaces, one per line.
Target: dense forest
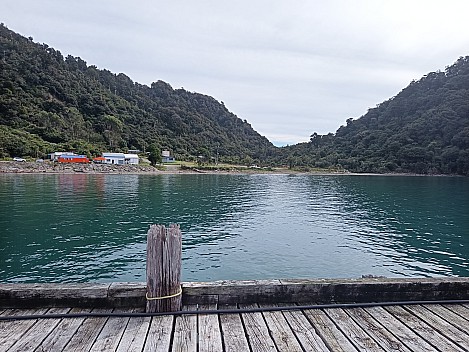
{"x":49,"y":102}
{"x":424,"y":129}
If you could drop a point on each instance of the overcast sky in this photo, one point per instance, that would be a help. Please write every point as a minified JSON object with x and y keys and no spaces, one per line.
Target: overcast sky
{"x":290,"y":68}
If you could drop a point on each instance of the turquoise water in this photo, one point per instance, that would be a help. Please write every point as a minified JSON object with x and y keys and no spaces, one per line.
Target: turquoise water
{"x":80,"y":228}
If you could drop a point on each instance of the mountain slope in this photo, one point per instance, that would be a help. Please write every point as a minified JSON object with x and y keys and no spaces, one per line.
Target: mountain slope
{"x":48,"y":102}
{"x":423,"y":129}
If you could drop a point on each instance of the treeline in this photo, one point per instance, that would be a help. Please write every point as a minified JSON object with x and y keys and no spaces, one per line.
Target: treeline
{"x":49,"y":102}
{"x":424,"y":129}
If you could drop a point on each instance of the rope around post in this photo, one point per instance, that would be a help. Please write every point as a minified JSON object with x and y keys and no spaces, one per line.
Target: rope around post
{"x":164,"y":297}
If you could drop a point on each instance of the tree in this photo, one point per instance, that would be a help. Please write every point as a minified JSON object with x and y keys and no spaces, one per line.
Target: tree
{"x":154,"y":154}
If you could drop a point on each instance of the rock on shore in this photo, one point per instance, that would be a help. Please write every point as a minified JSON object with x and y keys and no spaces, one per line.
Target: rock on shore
{"x":51,"y":167}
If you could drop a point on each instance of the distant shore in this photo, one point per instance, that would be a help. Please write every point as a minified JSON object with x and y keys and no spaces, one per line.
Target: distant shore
{"x":47,"y":167}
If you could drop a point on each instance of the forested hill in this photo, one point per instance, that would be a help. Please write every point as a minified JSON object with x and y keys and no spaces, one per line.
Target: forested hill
{"x":424,"y":129}
{"x":49,"y":102}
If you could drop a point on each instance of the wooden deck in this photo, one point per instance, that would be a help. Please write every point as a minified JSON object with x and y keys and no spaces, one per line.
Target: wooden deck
{"x":430,"y":327}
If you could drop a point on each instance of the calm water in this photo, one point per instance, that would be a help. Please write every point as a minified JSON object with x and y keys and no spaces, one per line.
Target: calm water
{"x":64,"y":228}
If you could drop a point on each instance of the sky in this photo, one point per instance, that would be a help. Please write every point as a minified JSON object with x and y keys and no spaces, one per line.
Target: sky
{"x":290,"y":68}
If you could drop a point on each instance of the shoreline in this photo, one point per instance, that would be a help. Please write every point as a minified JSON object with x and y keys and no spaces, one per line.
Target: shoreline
{"x":50,"y":168}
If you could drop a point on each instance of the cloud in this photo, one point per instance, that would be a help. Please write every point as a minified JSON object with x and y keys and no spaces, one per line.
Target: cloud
{"x":289,"y":68}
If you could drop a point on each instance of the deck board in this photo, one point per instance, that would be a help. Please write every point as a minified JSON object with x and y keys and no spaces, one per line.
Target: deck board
{"x":305,"y":332}
{"x":399,"y":329}
{"x":185,"y":332}
{"x":425,"y":331}
{"x":358,"y":336}
{"x":456,"y":335}
{"x":210,"y":339}
{"x":64,"y":331}
{"x":12,"y":331}
{"x":85,"y":336}
{"x":257,"y":330}
{"x":111,"y":334}
{"x":233,"y":334}
{"x":280,"y":330}
{"x":430,"y":327}
{"x":376,"y":330}
{"x":159,"y":334}
{"x":133,"y":339}
{"x":329,"y":332}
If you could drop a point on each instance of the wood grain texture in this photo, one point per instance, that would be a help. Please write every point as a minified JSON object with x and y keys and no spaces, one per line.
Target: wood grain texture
{"x":111,"y":333}
{"x":376,"y":329}
{"x":210,"y":339}
{"x":304,"y":331}
{"x":257,"y":331}
{"x":159,"y":334}
{"x":86,"y":334}
{"x":330,"y":334}
{"x":400,"y":329}
{"x":281,"y":333}
{"x":422,"y":329}
{"x":164,"y":256}
{"x":440,"y":324}
{"x":185,"y":332}
{"x":359,"y":337}
{"x":133,"y":338}
{"x":234,"y":337}
{"x":12,"y":331}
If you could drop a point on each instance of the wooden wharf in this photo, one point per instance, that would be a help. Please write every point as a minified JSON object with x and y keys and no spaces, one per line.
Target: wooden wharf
{"x":424,"y":314}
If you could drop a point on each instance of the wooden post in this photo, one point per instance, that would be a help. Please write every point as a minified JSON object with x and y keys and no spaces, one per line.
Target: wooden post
{"x":164,"y":253}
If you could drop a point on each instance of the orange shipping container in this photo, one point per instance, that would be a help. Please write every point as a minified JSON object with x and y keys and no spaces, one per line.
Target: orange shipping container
{"x":73,"y":159}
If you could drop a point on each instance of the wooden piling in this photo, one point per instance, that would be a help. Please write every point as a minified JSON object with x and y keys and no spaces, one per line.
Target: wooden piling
{"x":164,"y":253}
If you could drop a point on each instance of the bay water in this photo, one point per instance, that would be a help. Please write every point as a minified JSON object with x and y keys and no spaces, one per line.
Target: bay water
{"x":92,"y":228}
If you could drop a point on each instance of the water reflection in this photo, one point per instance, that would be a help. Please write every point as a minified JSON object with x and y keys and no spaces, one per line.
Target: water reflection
{"x":93,"y":227}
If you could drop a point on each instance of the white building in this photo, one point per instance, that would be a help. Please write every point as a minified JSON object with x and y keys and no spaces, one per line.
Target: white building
{"x":56,"y":155}
{"x":120,"y":158}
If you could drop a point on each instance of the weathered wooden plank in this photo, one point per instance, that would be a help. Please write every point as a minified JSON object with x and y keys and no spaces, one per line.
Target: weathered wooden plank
{"x":234,"y":337}
{"x":257,"y":330}
{"x":280,"y":331}
{"x":53,"y":295}
{"x":135,"y":333}
{"x":110,"y":335}
{"x":230,"y":291}
{"x":330,"y":334}
{"x":399,"y":329}
{"x":11,"y":331}
{"x":459,"y":309}
{"x":127,"y":294}
{"x":159,"y":334}
{"x":447,"y":329}
{"x":425,"y":331}
{"x":376,"y":330}
{"x":330,"y":290}
{"x":304,"y":331}
{"x":451,"y":317}
{"x":353,"y":331}
{"x":38,"y":332}
{"x":185,"y":331}
{"x":209,"y":330}
{"x":59,"y":337}
{"x":87,"y":332}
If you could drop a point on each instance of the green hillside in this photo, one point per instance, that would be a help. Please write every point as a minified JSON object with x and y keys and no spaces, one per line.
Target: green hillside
{"x":49,"y":102}
{"x":424,"y":129}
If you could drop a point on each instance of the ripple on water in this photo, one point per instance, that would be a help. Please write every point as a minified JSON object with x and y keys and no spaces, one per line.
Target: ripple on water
{"x":64,"y":228}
